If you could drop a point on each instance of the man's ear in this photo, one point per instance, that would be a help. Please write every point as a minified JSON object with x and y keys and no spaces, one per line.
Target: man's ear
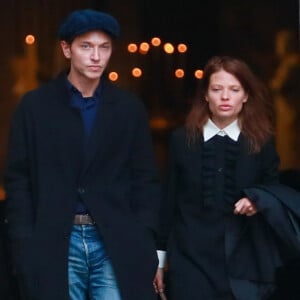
{"x":66,"y":49}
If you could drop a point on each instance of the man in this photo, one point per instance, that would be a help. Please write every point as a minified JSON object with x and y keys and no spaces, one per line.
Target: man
{"x":81,"y":182}
{"x":6,"y":277}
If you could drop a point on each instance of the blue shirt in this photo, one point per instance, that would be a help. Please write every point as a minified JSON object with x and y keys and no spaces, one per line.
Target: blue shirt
{"x":88,"y":109}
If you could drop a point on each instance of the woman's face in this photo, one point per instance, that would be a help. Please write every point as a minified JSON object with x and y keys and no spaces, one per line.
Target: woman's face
{"x":225,"y":97}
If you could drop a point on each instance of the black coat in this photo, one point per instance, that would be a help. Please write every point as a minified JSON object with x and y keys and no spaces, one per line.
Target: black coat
{"x":250,"y":245}
{"x":47,"y":170}
{"x":7,"y":288}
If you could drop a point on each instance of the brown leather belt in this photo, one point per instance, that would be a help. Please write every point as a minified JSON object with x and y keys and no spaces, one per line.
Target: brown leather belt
{"x":83,"y":220}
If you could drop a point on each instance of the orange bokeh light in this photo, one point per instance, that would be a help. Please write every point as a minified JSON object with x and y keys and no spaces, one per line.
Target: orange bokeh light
{"x":29,"y":39}
{"x":132,"y":48}
{"x":136,"y":72}
{"x":144,"y":48}
{"x":113,"y":76}
{"x":155,"y":41}
{"x":168,"y":48}
{"x":179,"y":73}
{"x":198,"y":74}
{"x":182,"y":48}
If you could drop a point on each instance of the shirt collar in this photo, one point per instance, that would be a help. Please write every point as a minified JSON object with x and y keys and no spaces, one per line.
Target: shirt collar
{"x":73,"y":90}
{"x":210,"y":130}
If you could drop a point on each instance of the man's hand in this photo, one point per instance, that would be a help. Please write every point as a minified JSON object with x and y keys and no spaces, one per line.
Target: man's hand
{"x":158,"y":281}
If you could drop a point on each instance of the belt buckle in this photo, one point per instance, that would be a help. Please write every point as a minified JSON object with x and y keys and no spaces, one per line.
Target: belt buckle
{"x":89,"y":220}
{"x":84,"y":220}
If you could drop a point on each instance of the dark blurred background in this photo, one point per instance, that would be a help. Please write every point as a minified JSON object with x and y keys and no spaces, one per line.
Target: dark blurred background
{"x":265,"y":33}
{"x":246,"y":29}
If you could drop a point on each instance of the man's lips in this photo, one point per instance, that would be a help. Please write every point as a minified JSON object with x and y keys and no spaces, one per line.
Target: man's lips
{"x":95,"y":68}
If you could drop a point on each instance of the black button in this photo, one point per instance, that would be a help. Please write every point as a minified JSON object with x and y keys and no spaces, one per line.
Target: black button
{"x":81,"y":190}
{"x":220,"y":170}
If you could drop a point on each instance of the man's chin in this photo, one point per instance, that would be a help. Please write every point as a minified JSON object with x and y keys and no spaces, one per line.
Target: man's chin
{"x":94,"y":75}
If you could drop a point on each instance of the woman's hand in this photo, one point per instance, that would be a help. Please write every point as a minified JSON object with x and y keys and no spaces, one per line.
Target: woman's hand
{"x":245,"y":207}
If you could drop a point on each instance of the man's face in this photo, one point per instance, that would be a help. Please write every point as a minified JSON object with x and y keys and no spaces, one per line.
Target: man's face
{"x":89,"y":55}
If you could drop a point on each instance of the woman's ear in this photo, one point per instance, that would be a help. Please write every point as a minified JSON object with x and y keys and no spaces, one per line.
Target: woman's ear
{"x":245,"y":99}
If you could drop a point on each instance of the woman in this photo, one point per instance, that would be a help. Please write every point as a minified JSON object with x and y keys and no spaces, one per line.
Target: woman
{"x":218,"y":244}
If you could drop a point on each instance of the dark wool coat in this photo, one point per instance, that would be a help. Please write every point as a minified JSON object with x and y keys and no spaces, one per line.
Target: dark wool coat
{"x":251,"y":245}
{"x":47,"y":170}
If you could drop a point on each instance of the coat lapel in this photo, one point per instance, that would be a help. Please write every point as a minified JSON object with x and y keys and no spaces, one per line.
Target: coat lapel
{"x":72,"y":129}
{"x":69,"y":130}
{"x":97,"y":142}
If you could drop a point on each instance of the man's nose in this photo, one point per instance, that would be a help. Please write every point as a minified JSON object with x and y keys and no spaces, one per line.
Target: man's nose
{"x":95,"y":54}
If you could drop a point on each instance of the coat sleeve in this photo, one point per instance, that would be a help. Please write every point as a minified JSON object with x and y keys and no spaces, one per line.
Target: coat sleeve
{"x":280,"y":207}
{"x":19,"y":212}
{"x":270,"y":163}
{"x":167,"y":213}
{"x":146,"y":190}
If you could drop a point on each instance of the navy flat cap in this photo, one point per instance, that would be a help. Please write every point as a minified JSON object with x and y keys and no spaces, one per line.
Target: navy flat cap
{"x":82,"y":21}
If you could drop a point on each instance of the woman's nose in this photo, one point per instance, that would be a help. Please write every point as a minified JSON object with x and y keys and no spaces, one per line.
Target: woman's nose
{"x":225,"y":95}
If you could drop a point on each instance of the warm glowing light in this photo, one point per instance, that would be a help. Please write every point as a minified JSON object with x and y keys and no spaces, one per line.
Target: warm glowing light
{"x":29,"y":39}
{"x":113,"y":76}
{"x":179,"y":73}
{"x":159,"y":123}
{"x":132,"y":48}
{"x":168,"y":48}
{"x":136,"y":72}
{"x":182,"y":48}
{"x":144,"y":48}
{"x":198,"y":74}
{"x":2,"y":193}
{"x":155,"y":41}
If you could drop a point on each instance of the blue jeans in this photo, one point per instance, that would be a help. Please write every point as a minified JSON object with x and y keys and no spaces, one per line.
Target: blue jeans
{"x":91,"y":275}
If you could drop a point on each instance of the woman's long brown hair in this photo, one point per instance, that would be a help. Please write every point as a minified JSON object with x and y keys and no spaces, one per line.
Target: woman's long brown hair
{"x":256,"y":116}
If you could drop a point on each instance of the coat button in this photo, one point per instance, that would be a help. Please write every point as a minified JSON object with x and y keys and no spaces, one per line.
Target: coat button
{"x":81,"y":190}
